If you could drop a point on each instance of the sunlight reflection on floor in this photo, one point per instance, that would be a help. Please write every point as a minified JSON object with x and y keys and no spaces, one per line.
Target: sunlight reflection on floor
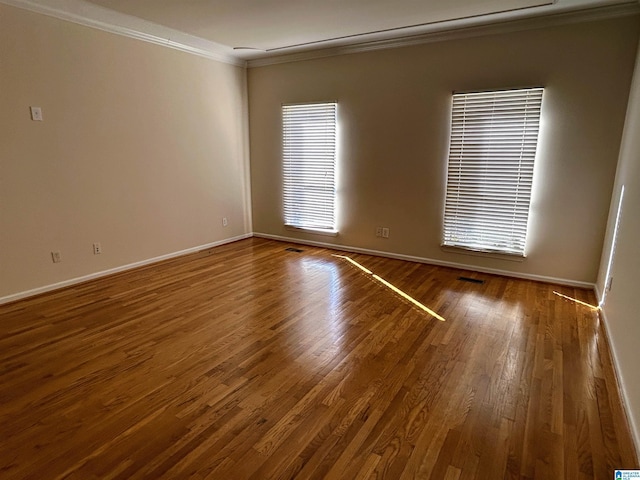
{"x":392,"y":288}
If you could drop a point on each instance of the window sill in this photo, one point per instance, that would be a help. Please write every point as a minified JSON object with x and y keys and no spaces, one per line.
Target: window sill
{"x":315,"y":231}
{"x":512,"y":257}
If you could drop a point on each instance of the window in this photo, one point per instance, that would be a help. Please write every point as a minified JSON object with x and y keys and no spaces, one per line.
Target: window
{"x":309,"y":157}
{"x":494,"y":136}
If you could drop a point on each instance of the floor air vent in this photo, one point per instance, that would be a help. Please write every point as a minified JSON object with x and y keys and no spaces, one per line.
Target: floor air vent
{"x":292,"y":249}
{"x":471,"y":280}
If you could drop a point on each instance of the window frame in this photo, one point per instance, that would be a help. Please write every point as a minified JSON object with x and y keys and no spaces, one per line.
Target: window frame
{"x":483,"y":166}
{"x":309,"y":200}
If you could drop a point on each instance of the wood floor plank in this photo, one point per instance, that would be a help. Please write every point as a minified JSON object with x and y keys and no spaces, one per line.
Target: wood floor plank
{"x":250,"y":361}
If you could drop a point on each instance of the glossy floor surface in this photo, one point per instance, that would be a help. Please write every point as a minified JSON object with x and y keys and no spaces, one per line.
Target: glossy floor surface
{"x":251,"y":361}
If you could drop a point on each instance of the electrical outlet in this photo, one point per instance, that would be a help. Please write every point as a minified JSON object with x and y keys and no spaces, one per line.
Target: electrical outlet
{"x":55,"y":256}
{"x":225,"y":222}
{"x":97,"y":248}
{"x":36,"y":114}
{"x":378,"y":231}
{"x":385,"y":232}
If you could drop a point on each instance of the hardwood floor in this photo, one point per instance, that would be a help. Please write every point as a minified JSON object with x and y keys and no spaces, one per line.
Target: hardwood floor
{"x":250,"y":361}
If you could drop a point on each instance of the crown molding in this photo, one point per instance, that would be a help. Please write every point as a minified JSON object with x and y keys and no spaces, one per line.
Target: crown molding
{"x":87,"y":14}
{"x":506,"y":26}
{"x":94,"y":16}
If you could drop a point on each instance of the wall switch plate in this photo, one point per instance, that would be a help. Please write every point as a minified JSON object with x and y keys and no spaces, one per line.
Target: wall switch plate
{"x":36,"y":114}
{"x":225,"y":222}
{"x":55,"y":256}
{"x":97,"y":248}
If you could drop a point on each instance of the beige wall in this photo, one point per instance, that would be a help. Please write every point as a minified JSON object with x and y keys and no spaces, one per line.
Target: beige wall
{"x":621,"y":303}
{"x":394,"y":120}
{"x":142,"y":148}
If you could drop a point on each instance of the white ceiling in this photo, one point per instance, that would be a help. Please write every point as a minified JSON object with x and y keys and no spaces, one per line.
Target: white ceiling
{"x":276,"y":27}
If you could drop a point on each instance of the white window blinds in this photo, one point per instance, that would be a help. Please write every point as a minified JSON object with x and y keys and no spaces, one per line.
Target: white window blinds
{"x":494,"y":136}
{"x":309,"y":157}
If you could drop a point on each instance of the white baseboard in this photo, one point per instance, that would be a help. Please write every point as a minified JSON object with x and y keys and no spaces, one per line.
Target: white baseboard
{"x":111,"y":271}
{"x":431,"y":261}
{"x":598,"y":293}
{"x":634,"y":426}
{"x":398,"y":256}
